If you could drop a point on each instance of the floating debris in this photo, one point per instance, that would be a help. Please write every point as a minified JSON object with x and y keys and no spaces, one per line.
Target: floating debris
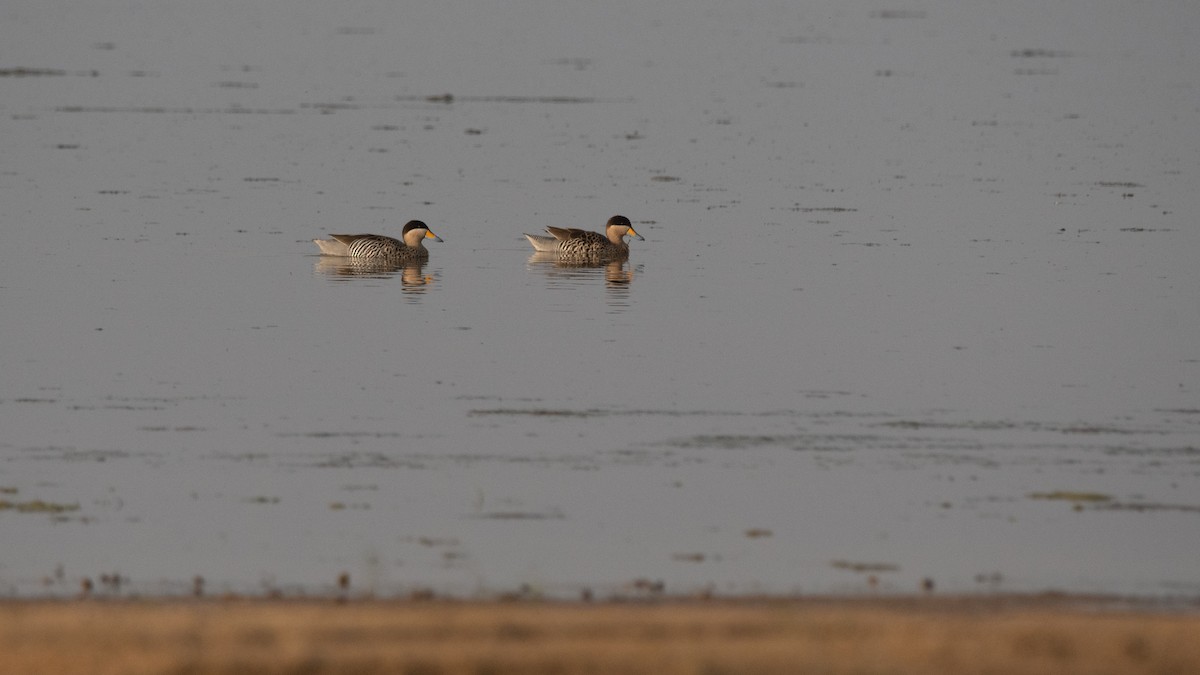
{"x":540,"y":412}
{"x":37,"y":506}
{"x":1069,"y":496}
{"x":1140,"y":507}
{"x":992,"y":579}
{"x":173,"y":111}
{"x":113,"y":581}
{"x":1038,"y":54}
{"x":898,"y":14}
{"x":451,"y":98}
{"x":521,"y":515}
{"x":649,"y":586}
{"x":45,"y":72}
{"x":862,"y":567}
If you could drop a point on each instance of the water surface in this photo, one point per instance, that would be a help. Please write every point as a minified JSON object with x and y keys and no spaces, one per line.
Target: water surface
{"x":917,"y":298}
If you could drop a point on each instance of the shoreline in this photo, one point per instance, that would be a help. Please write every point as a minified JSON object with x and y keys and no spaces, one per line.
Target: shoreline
{"x":1050,"y":633}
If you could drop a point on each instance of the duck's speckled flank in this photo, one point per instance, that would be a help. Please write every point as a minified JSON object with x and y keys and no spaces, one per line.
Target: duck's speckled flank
{"x":576,"y":244}
{"x":377,"y":246}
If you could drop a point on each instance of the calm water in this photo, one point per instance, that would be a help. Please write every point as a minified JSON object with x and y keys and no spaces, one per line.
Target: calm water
{"x":918,"y":297}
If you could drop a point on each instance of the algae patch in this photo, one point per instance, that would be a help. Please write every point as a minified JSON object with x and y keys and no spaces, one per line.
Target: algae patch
{"x":863,"y":567}
{"x":37,"y":506}
{"x":1069,"y":496}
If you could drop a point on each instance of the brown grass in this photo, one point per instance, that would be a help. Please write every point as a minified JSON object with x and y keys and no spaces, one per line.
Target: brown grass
{"x":896,"y":636}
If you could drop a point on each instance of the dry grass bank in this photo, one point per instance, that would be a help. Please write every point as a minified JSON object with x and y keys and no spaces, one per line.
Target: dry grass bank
{"x":894,"y":636}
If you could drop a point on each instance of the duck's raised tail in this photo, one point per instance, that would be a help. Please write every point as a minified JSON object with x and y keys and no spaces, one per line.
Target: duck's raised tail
{"x":542,"y":243}
{"x":332,"y":247}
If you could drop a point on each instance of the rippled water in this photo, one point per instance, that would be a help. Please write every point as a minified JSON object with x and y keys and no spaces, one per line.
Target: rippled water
{"x":917,"y":298}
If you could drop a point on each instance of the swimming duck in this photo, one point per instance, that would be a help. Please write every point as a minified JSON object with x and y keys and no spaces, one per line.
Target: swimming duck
{"x":572,"y":243}
{"x":379,"y":246}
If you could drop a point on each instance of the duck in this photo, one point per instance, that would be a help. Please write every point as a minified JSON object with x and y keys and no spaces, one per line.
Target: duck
{"x":380,"y":247}
{"x":572,"y":243}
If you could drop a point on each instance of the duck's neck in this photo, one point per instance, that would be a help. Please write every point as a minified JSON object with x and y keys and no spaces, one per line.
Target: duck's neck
{"x":412,"y":238}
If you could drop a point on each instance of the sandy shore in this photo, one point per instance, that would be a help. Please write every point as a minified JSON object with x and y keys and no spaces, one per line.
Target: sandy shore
{"x":1005,"y":634}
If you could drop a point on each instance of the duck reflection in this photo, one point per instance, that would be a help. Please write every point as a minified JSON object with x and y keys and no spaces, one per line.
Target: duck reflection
{"x":617,"y":274}
{"x":412,"y":273}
